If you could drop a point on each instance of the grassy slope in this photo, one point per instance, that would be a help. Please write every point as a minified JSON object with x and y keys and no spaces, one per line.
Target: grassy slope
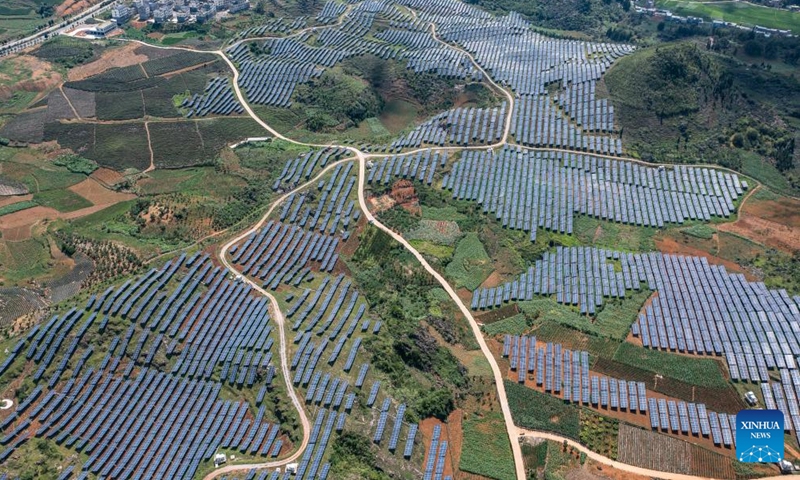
{"x":680,"y":103}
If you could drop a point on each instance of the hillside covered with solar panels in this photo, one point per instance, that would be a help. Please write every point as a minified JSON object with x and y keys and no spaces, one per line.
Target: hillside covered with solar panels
{"x":448,"y":242}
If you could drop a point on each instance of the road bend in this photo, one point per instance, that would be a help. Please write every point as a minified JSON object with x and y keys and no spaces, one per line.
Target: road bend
{"x":280,"y":321}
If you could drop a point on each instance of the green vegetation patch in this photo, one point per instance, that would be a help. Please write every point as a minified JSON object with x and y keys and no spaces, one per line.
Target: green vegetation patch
{"x":445,"y":213}
{"x":68,"y":52}
{"x":540,"y":411}
{"x":703,"y":372}
{"x":485,"y":449}
{"x":515,"y":325}
{"x":575,"y":340}
{"x":599,"y":433}
{"x":24,"y":260}
{"x":546,"y":309}
{"x":471,"y":264}
{"x":441,"y":252}
{"x":616,"y":236}
{"x":61,"y":200}
{"x":17,"y":207}
{"x":441,"y":232}
{"x":616,"y":316}
{"x":700,"y":231}
{"x":116,"y":146}
{"x":76,"y":164}
{"x":680,"y":102}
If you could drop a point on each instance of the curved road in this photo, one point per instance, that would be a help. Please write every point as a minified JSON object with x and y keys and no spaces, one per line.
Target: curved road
{"x":279,"y":319}
{"x":512,"y":431}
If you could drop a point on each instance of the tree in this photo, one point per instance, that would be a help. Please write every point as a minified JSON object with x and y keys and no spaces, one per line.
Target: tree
{"x":784,"y":154}
{"x":435,"y":403}
{"x":753,"y":48}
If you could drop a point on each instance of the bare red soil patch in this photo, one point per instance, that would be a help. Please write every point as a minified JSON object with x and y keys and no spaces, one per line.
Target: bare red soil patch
{"x":39,"y":76}
{"x":71,"y":7}
{"x":774,"y":223}
{"x":124,"y":56}
{"x":673,"y":246}
{"x":92,"y":190}
{"x":404,"y":194}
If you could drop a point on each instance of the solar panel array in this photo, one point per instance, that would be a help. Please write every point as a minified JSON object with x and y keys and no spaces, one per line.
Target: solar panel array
{"x":436,"y":457}
{"x":420,"y":166}
{"x":528,"y":62}
{"x":280,"y":253}
{"x":217,"y":98}
{"x":332,"y":208}
{"x":304,"y":166}
{"x":526,"y":190}
{"x":128,"y":418}
{"x":460,"y":126}
{"x":700,"y":308}
{"x":565,"y":373}
{"x":271,"y":74}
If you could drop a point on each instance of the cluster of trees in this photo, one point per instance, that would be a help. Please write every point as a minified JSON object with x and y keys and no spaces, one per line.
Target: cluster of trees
{"x":110,"y":259}
{"x":396,"y":288}
{"x":336,"y":100}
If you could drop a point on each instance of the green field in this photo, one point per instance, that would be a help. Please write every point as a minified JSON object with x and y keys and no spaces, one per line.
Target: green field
{"x":703,"y":372}
{"x":612,"y":321}
{"x":736,"y":11}
{"x":471,"y":264}
{"x":16,"y":207}
{"x":485,"y":450}
{"x":540,"y":411}
{"x":514,"y":325}
{"x":61,"y":200}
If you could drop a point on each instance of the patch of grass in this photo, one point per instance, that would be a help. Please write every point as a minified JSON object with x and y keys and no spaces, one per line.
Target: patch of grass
{"x":534,"y":456}
{"x":605,"y":234}
{"x":575,"y":340}
{"x":428,"y":248}
{"x":376,"y":127}
{"x":515,"y":325}
{"x":471,"y":264}
{"x":442,"y":213}
{"x":16,"y":207}
{"x":540,"y":411}
{"x":616,"y":316}
{"x":61,"y":200}
{"x":40,"y":175}
{"x":754,"y":166}
{"x":703,"y":372}
{"x":738,"y":12}
{"x":20,"y":261}
{"x":700,"y":231}
{"x":438,"y":232}
{"x":485,"y":449}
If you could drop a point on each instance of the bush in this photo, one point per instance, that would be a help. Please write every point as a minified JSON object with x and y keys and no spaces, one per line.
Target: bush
{"x":435,"y":403}
{"x":540,"y":411}
{"x":76,"y":163}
